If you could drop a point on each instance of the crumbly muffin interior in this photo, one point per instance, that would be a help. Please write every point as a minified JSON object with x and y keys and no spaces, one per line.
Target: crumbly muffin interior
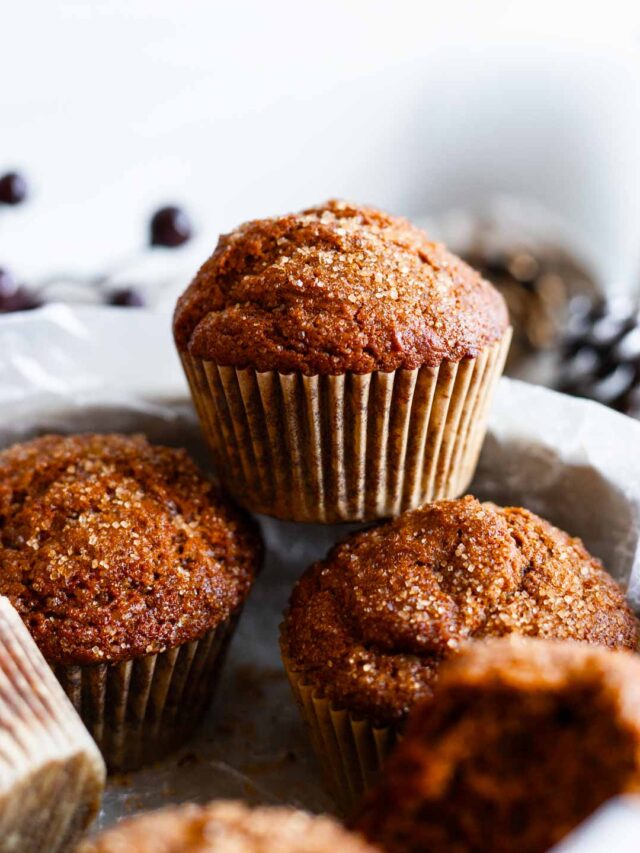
{"x":496,"y":763}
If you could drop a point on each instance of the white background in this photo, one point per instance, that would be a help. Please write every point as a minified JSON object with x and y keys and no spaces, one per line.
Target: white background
{"x":241,"y":109}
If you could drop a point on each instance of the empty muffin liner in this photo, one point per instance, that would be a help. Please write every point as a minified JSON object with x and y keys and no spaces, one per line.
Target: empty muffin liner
{"x":349,"y":749}
{"x":345,"y":448}
{"x":51,"y":774}
{"x":139,"y":710}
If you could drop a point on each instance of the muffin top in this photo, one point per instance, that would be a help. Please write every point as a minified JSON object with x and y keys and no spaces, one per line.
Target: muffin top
{"x":508,"y":716}
{"x":111,"y":548}
{"x":227,"y":827}
{"x":333,"y":289}
{"x":370,"y":625}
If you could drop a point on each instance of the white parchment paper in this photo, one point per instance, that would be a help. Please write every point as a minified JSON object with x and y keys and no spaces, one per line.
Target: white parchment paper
{"x":73,"y":369}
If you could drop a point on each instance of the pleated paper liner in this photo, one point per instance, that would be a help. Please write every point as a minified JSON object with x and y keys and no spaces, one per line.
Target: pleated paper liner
{"x":345,"y":448}
{"x":51,"y":774}
{"x":138,"y":711}
{"x":350,"y":750}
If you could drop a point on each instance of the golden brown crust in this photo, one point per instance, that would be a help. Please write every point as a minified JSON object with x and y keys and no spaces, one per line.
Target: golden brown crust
{"x":228,"y":827}
{"x":111,"y":548}
{"x":370,"y":625}
{"x":522,"y":740}
{"x":333,"y":289}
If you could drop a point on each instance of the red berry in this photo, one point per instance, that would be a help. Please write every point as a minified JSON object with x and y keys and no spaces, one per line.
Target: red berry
{"x":170,"y":227}
{"x":13,"y":188}
{"x":126,"y":297}
{"x":8,"y":284}
{"x":22,"y":299}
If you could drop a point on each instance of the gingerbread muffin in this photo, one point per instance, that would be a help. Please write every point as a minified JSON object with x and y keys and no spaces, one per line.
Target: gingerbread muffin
{"x":129,"y":569}
{"x":522,"y":740}
{"x":228,"y":827}
{"x":341,"y":363}
{"x":368,"y":627}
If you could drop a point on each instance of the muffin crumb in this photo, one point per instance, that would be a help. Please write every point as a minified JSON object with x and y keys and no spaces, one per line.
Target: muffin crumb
{"x":521,"y":742}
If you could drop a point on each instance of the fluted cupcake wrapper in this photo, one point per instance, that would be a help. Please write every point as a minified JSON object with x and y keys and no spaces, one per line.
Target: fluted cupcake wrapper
{"x":51,"y":774}
{"x":137,"y":711}
{"x":349,"y":749}
{"x":350,"y":447}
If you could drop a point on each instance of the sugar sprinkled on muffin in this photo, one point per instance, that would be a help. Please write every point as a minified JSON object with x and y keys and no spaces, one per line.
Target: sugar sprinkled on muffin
{"x":112,"y":547}
{"x":370,"y":625}
{"x":342,"y":364}
{"x":129,"y":568}
{"x":339,"y":287}
{"x":225,"y":826}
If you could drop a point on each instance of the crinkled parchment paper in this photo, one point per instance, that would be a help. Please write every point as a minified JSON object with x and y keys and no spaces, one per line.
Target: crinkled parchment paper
{"x":574,"y":462}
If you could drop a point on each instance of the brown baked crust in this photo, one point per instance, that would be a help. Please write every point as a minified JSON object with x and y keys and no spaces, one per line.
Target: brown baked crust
{"x":522,"y":740}
{"x":111,"y":548}
{"x":337,"y":288}
{"x":225,"y":826}
{"x":370,"y":625}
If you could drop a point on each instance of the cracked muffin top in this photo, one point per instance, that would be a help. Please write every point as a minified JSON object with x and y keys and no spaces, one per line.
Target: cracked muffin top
{"x":370,"y":625}
{"x":337,"y":288}
{"x":508,"y":718}
{"x":228,"y":827}
{"x":111,"y":547}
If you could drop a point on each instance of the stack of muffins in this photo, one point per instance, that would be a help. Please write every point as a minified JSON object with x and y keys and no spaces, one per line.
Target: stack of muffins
{"x":342,"y":366}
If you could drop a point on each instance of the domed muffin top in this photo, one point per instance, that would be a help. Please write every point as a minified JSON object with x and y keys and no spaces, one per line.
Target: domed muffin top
{"x":228,"y":826}
{"x":508,"y":716}
{"x":111,"y":548}
{"x":337,"y":288}
{"x":370,"y":625}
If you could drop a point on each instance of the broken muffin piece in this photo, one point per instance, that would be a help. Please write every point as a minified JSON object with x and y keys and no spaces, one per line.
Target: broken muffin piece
{"x":521,"y":741}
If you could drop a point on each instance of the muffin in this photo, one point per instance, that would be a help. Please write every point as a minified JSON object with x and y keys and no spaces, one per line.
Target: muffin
{"x":520,"y":743}
{"x":341,"y":363}
{"x":368,"y":628}
{"x":51,"y":774}
{"x":130,"y":570}
{"x":227,"y":827}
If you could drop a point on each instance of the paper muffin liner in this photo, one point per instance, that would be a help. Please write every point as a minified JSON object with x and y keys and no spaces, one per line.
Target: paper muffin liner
{"x":350,"y":749}
{"x":51,"y":774}
{"x":139,"y":710}
{"x":345,"y":448}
